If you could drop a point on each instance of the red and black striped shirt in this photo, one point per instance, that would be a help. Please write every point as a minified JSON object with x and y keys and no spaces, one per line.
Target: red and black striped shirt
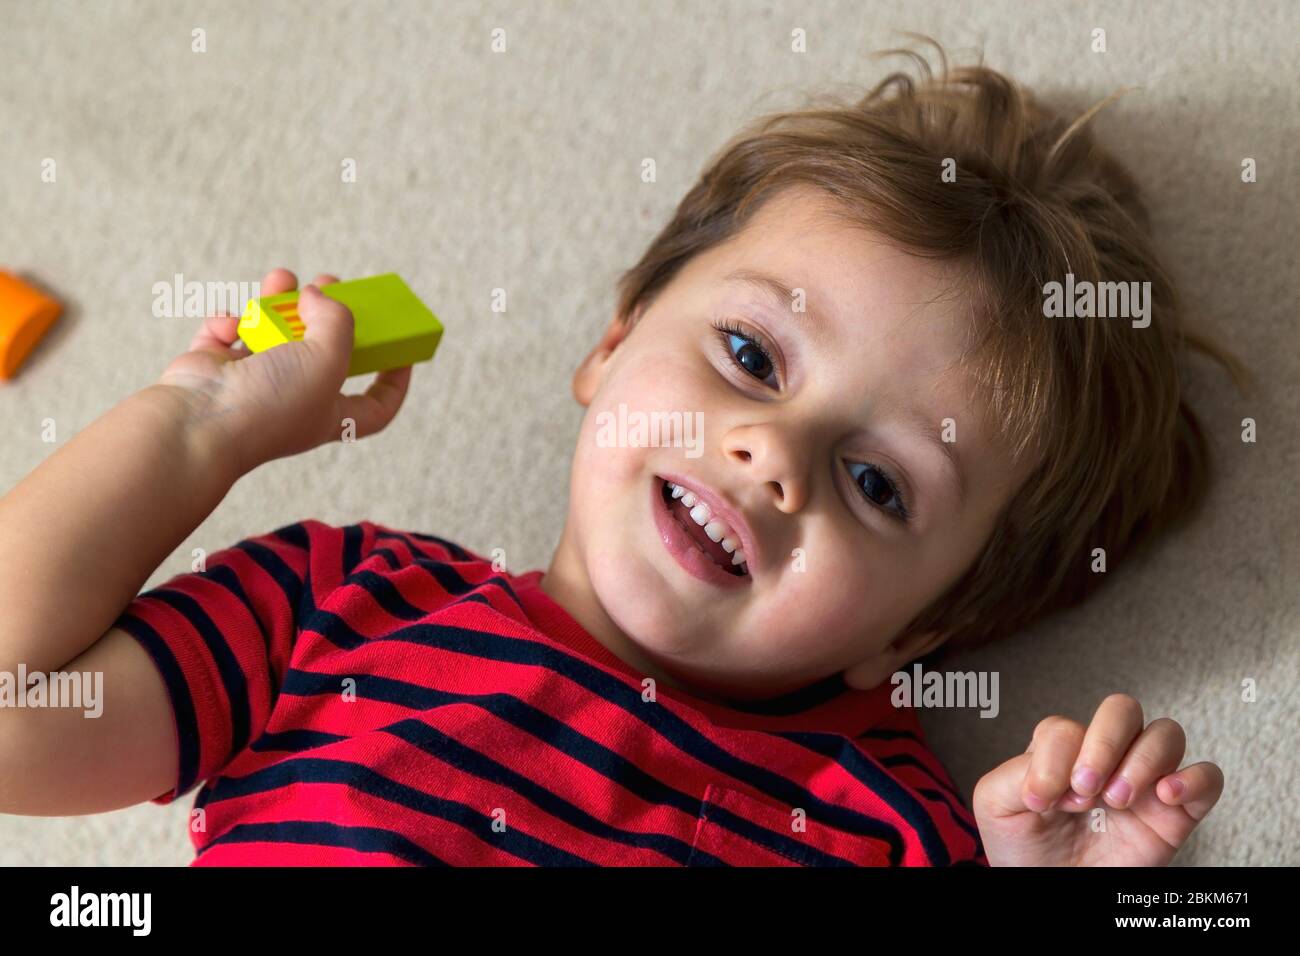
{"x":361,"y":695}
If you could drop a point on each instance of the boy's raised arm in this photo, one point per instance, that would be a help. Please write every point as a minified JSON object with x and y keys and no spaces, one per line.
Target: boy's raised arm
{"x":78,"y":538}
{"x":82,"y":533}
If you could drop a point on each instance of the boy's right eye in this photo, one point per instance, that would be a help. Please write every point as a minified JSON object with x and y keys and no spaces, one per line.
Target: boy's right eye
{"x":747,"y":352}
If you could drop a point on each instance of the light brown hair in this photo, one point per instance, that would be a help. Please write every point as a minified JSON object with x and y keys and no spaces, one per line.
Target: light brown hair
{"x":1117,"y":455}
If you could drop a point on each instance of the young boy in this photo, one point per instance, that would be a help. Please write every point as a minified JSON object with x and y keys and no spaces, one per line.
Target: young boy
{"x":902,"y":450}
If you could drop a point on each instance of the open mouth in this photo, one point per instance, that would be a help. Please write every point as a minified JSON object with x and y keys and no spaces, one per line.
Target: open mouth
{"x":706,"y":531}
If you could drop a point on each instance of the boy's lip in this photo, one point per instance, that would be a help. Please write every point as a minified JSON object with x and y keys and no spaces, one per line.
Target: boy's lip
{"x":725,"y":510}
{"x":685,"y":550}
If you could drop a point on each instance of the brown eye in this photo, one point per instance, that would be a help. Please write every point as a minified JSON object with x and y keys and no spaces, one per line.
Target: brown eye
{"x":754,"y":360}
{"x":879,"y":488}
{"x":748,"y":354}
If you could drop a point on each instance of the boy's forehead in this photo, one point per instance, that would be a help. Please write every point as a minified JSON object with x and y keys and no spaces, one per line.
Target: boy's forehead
{"x":802,"y":240}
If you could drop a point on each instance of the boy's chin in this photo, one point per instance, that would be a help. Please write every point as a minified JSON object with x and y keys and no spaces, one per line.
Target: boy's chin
{"x":647,"y":609}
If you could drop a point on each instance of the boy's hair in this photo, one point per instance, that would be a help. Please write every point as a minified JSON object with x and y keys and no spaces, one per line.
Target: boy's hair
{"x":1115,"y":455}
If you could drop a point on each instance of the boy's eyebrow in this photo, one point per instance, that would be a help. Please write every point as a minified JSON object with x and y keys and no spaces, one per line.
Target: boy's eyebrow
{"x":782,"y":295}
{"x":924,"y":429}
{"x":773,"y":288}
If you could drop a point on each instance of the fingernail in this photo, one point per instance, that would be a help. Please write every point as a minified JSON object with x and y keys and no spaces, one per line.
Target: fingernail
{"x":1119,"y":792}
{"x":1176,"y":786}
{"x":1086,"y":780}
{"x":1034,"y":802}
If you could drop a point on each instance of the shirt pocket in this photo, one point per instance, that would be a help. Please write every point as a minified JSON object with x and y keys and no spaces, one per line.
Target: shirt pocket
{"x":737,"y":829}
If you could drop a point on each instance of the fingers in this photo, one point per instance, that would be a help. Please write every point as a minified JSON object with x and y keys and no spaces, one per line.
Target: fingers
{"x":1114,"y":760}
{"x":1117,"y":721}
{"x":1196,"y":789}
{"x":1056,"y":745}
{"x":1114,"y":750}
{"x":375,"y":408}
{"x":328,"y":328}
{"x":1158,"y":751}
{"x":282,"y":280}
{"x":216,"y":334}
{"x":277,"y":281}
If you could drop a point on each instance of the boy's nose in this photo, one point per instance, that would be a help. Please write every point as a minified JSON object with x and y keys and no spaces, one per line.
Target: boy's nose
{"x":769,"y":460}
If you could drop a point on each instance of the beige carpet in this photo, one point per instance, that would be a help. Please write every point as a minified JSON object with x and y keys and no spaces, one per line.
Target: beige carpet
{"x":520,"y":170}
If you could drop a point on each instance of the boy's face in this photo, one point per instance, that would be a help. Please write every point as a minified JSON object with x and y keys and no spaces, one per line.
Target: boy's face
{"x":801,"y":449}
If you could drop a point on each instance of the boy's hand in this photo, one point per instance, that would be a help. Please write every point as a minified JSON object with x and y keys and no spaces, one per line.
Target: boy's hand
{"x":1047,"y":806}
{"x":285,"y":400}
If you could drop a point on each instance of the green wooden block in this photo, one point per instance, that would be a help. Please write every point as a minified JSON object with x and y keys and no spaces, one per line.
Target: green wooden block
{"x":393,"y":327}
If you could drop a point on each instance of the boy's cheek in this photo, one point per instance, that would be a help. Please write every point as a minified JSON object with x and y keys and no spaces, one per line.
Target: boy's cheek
{"x":662,"y":378}
{"x":608,"y":438}
{"x":842,"y":599}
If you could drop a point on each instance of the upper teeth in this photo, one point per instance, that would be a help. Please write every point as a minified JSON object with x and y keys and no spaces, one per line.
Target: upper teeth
{"x":713,"y":526}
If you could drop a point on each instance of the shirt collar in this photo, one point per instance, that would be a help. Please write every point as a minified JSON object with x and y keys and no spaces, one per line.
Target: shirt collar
{"x":827,"y":706}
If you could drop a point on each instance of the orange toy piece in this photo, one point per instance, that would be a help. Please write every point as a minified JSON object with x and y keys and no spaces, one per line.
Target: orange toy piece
{"x":26,"y":314}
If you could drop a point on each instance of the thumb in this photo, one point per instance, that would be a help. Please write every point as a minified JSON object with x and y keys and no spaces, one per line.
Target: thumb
{"x":998,"y":794}
{"x":328,"y":327}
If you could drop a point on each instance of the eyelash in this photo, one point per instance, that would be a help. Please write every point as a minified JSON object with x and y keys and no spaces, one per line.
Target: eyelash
{"x":726,"y":329}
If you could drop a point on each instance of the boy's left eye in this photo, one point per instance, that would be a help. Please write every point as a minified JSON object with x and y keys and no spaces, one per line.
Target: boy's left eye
{"x":748,"y":353}
{"x":880,"y":488}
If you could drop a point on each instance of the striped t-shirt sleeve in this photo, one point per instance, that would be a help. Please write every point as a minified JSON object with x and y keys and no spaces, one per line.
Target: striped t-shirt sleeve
{"x":222,"y":637}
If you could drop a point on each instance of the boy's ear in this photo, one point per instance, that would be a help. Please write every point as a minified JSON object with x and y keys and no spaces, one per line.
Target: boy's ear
{"x":589,"y":374}
{"x":877,"y":669}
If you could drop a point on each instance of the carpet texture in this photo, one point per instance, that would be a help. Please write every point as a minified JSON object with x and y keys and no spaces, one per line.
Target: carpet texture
{"x":520,"y":170}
